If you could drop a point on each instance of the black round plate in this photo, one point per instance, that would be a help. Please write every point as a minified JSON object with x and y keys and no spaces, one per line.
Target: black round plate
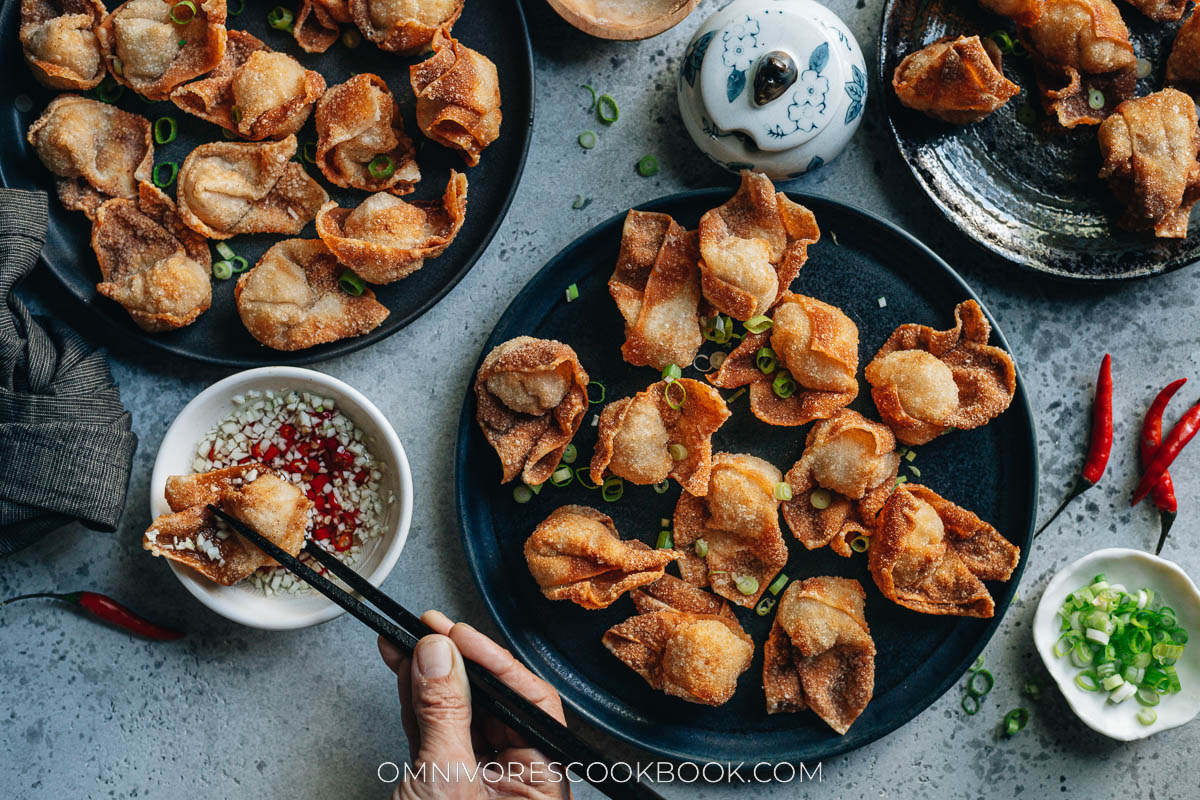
{"x":991,"y":470}
{"x":497,"y":29}
{"x":1024,"y":188}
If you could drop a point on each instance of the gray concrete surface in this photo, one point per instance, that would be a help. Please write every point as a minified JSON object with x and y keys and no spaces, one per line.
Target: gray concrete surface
{"x":231,"y":712}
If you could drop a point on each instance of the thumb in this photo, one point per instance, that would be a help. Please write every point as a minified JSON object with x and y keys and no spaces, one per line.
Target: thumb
{"x":442,"y":705}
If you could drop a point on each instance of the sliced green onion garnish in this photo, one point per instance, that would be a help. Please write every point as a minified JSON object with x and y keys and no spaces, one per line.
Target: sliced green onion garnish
{"x":224,"y":250}
{"x":536,"y":488}
{"x":239,"y":264}
{"x":910,"y":454}
{"x":183,"y":12}
{"x":676,"y":394}
{"x":522,"y":494}
{"x":915,"y":471}
{"x":109,"y":91}
{"x":570,"y":454}
{"x":764,"y":606}
{"x":581,"y":475}
{"x":976,"y":665}
{"x":222,"y":270}
{"x":350,"y":283}
{"x":700,"y":548}
{"x":860,"y":544}
{"x":717,"y":359}
{"x":236,"y":7}
{"x":1087,"y":682}
{"x":746,"y":584}
{"x":580,"y":202}
{"x":1003,"y":41}
{"x":162,"y":180}
{"x":561,"y":476}
{"x":587,"y":140}
{"x":970,"y":704}
{"x":777,"y":585}
{"x":820,"y":499}
{"x":647,"y":166}
{"x":599,"y":386}
{"x":381,"y":167}
{"x":665,"y":541}
{"x":717,"y":329}
{"x":235,"y":114}
{"x":280,"y":19}
{"x":671,"y":372}
{"x":1147,"y":716}
{"x":1096,"y":99}
{"x":351,"y":38}
{"x":766,"y":360}
{"x":571,"y":293}
{"x":980,"y":682}
{"x":1015,"y":720}
{"x":612,"y":489}
{"x":677,"y":452}
{"x":902,"y":479}
{"x":783,"y":491}
{"x":1033,"y":690}
{"x":735,"y":395}
{"x":759,"y":324}
{"x":606,"y":109}
{"x":1148,"y":697}
{"x":165,"y":130}
{"x":662,"y":486}
{"x":592,"y":92}
{"x":783,"y":386}
{"x":309,"y":153}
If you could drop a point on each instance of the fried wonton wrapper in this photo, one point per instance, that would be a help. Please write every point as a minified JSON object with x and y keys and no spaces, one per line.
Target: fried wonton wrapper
{"x":957,"y":80}
{"x":405,"y":26}
{"x":316,"y":27}
{"x":1161,"y":10}
{"x":1150,"y":147}
{"x":1183,"y":67}
{"x":1023,"y":12}
{"x":854,"y":461}
{"x":458,"y":97}
{"x":58,"y":38}
{"x":1079,"y":46}
{"x":669,"y":593}
{"x":816,"y":343}
{"x":151,"y":53}
{"x":656,"y":285}
{"x":96,"y":150}
{"x":357,"y":122}
{"x":738,"y":519}
{"x":255,"y":92}
{"x":291,"y":299}
{"x":636,"y":435}
{"x":925,"y":382}
{"x":576,"y":554}
{"x":820,"y":653}
{"x":229,"y":188}
{"x":385,"y":239}
{"x":753,"y":247}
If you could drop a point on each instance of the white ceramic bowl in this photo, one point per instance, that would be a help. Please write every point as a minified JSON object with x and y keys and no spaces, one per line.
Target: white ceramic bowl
{"x":242,"y":602}
{"x":1135,"y":569}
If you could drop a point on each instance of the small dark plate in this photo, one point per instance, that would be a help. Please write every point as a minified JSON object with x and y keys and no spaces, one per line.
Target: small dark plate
{"x":1018,"y":183}
{"x":497,"y":29}
{"x":991,"y":470}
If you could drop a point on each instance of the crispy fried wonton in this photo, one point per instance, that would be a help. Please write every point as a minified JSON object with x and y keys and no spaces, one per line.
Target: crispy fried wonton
{"x":738,"y":519}
{"x":656,"y":285}
{"x":815,"y":344}
{"x":932,"y":556}
{"x":95,"y":149}
{"x":152,"y":264}
{"x":532,"y":398}
{"x":820,"y":653}
{"x":255,"y":92}
{"x":405,"y":26}
{"x":576,"y":554}
{"x":645,"y":439}
{"x":925,"y":382}
{"x":359,"y":125}
{"x":152,"y":46}
{"x":229,"y":188}
{"x":291,"y":299}
{"x":458,"y":97}
{"x":1161,"y":10}
{"x":1183,"y":67}
{"x":385,"y":239}
{"x":753,"y":247}
{"x":852,"y":462}
{"x":316,"y":27}
{"x":58,"y":38}
{"x":1023,"y":12}
{"x":671,"y":593}
{"x":957,"y":80}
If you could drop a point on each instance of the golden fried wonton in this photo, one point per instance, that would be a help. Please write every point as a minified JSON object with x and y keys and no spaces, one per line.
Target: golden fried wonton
{"x":925,"y":382}
{"x":148,"y":49}
{"x":229,"y":188}
{"x":405,"y":26}
{"x":458,"y":97}
{"x":358,"y":123}
{"x":385,"y":239}
{"x":576,"y":554}
{"x":820,"y":653}
{"x":316,"y":27}
{"x":656,"y":285}
{"x":1161,"y":10}
{"x":752,"y":247}
{"x":532,"y":398}
{"x":932,"y":556}
{"x":957,"y":80}
{"x":291,"y":299}
{"x":1023,"y":12}
{"x":670,"y":593}
{"x":1183,"y":67}
{"x":815,"y":344}
{"x":851,"y":462}
{"x":95,"y":149}
{"x":58,"y":38}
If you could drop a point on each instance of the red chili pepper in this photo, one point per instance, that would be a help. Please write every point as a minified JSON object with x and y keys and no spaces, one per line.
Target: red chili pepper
{"x":1163,"y":494}
{"x":1176,"y":440}
{"x":105,"y":608}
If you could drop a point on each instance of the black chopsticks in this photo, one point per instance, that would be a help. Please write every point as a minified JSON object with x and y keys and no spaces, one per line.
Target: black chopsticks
{"x":405,"y":629}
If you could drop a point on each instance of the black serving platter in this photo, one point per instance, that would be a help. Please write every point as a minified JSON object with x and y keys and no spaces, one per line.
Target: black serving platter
{"x":497,"y":29}
{"x":992,"y":471}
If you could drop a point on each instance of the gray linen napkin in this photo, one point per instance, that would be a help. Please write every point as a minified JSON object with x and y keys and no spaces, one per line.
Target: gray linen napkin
{"x":66,"y":447}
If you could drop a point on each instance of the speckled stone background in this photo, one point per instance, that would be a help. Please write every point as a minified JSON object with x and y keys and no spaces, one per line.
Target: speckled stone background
{"x":90,"y":712}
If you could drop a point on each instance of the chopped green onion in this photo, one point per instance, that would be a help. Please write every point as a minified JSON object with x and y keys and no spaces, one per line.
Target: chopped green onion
{"x":592,"y":92}
{"x":109,"y":91}
{"x":1111,"y":682}
{"x":23,"y":103}
{"x":665,"y":541}
{"x":1087,"y":682}
{"x":647,"y":166}
{"x":764,"y":606}
{"x":910,"y":454}
{"x":570,"y":454}
{"x":676,"y":394}
{"x":597,"y":384}
{"x":783,"y":386}
{"x":1003,"y":41}
{"x":587,"y":140}
{"x":759,"y":324}
{"x":1163,"y":651}
{"x":777,"y":585}
{"x":735,"y":395}
{"x":351,"y":38}
{"x":766,"y":360}
{"x":663,"y":521}
{"x":671,"y":372}
{"x":717,"y":329}
{"x":239,"y":264}
{"x":236,"y":7}
{"x":820,"y":499}
{"x":183,"y":17}
{"x":309,"y":154}
{"x":581,"y":475}
{"x":746,"y":584}
{"x":970,"y":704}
{"x":783,"y":491}
{"x":222,"y":270}
{"x":350,"y":283}
{"x":700,"y":548}
{"x":1148,"y":697}
{"x":612,"y":489}
{"x":860,"y":544}
{"x":662,"y":486}
{"x":677,"y":452}
{"x":165,"y":130}
{"x":561,"y":476}
{"x":580,"y":202}
{"x":1033,"y":690}
{"x":1096,"y":99}
{"x":978,"y":676}
{"x":976,"y":665}
{"x":902,"y":479}
{"x":163,"y":181}
{"x":235,"y":114}
{"x":915,"y":471}
{"x":1147,"y":716}
{"x":381,"y":167}
{"x":224,"y":250}
{"x":280,"y":19}
{"x":606,"y":109}
{"x":522,"y":494}
{"x":571,"y":293}
{"x":1015,"y":720}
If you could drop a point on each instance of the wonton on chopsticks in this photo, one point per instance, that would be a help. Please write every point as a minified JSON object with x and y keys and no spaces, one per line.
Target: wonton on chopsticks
{"x":361,"y":142}
{"x":405,"y":26}
{"x":58,"y":38}
{"x":152,"y":46}
{"x":1183,"y":66}
{"x":957,"y":80}
{"x":458,"y":97}
{"x":317,"y":23}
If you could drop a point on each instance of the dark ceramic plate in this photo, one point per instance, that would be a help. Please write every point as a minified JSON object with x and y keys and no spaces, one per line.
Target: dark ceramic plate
{"x":992,"y":470}
{"x":497,"y":29}
{"x":1018,"y":183}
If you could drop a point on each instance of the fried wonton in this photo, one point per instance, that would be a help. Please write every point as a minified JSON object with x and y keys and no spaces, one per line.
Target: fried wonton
{"x":1183,"y":66}
{"x":851,"y":462}
{"x":638,"y":435}
{"x":316,"y":27}
{"x":576,"y":554}
{"x":925,"y":382}
{"x":291,"y":299}
{"x":229,"y":188}
{"x":58,"y":38}
{"x":405,"y":26}
{"x":656,"y":285}
{"x":1082,"y":57}
{"x":152,"y":264}
{"x":957,"y":80}
{"x":738,"y":519}
{"x":932,"y":556}
{"x":96,"y":150}
{"x":152,"y":46}
{"x":531,"y":398}
{"x":820,"y":653}
{"x":670,"y":593}
{"x":1150,"y":147}
{"x":194,"y":536}
{"x":358,"y":123}
{"x":816,"y":344}
{"x":1023,"y":12}
{"x":385,"y":239}
{"x":458,"y":97}
{"x":255,"y":92}
{"x":753,"y":247}
{"x":1161,"y":10}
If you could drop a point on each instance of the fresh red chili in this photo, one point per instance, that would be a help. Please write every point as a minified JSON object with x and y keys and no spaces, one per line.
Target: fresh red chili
{"x":105,"y":608}
{"x":1102,"y":424}
{"x":1176,"y":440}
{"x":1163,"y":494}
